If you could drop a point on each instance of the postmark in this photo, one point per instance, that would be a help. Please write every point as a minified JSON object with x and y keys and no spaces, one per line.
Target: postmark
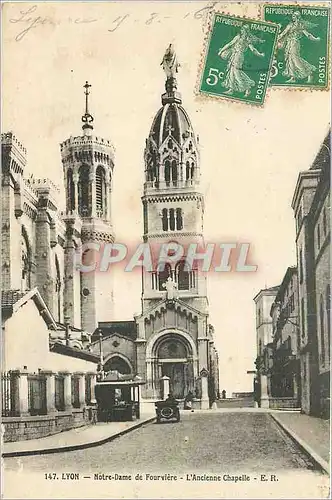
{"x":238,"y":58}
{"x":302,"y":52}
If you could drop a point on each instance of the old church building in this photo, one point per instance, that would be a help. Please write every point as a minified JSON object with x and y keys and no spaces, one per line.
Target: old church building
{"x":172,"y":338}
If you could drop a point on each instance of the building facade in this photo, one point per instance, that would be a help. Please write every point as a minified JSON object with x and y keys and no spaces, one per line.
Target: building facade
{"x":311,"y":205}
{"x":47,"y":386}
{"x":285,"y":370}
{"x":297,"y":358}
{"x":264,"y":342}
{"x":172,"y":338}
{"x":41,"y":244}
{"x":49,"y":308}
{"x":171,"y":343}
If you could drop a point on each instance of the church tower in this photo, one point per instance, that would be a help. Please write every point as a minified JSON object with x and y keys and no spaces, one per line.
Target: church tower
{"x":173,"y":205}
{"x":88,"y":163}
{"x":14,"y":159}
{"x":175,"y":341}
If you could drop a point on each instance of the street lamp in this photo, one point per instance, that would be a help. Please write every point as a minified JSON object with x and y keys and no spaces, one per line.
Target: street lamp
{"x":101,"y":356}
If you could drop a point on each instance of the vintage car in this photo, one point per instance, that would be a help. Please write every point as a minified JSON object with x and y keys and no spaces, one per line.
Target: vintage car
{"x":167,"y":410}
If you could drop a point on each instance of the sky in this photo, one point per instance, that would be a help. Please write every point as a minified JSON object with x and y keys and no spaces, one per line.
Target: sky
{"x":250,"y":157}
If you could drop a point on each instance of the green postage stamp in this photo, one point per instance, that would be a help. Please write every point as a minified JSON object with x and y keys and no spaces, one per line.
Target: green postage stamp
{"x":302,"y":53}
{"x":239,"y":58}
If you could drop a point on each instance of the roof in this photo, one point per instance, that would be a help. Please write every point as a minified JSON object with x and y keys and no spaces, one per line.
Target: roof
{"x":324,"y":153}
{"x":171,"y":117}
{"x":73,"y":352}
{"x":62,"y":326}
{"x":322,"y":190}
{"x":124,"y":328}
{"x":286,"y":279}
{"x":115,"y":375}
{"x":117,"y":383}
{"x":12,"y":300}
{"x":117,"y":379}
{"x":267,"y":291}
{"x":309,"y":179}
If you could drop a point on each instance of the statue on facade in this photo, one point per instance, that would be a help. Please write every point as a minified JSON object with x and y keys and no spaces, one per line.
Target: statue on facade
{"x":170,"y":62}
{"x":170,"y":287}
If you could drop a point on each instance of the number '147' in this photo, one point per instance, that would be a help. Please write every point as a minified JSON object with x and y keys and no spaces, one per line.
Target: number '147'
{"x":213,"y":76}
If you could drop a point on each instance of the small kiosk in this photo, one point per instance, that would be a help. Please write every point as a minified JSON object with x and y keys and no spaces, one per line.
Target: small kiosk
{"x":118,"y":397}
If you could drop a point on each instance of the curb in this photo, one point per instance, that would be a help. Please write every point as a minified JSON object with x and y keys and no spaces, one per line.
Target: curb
{"x":319,"y":462}
{"x":80,"y":446}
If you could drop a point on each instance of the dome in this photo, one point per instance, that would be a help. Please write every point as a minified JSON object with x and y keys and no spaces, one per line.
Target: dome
{"x":171,"y":120}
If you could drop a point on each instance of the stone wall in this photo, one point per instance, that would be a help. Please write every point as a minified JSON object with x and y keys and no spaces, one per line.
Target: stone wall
{"x":281,"y":403}
{"x":27,"y":427}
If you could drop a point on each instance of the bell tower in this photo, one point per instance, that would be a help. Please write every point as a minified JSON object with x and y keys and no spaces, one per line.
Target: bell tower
{"x":175,"y":343}
{"x":88,"y":163}
{"x":173,"y":205}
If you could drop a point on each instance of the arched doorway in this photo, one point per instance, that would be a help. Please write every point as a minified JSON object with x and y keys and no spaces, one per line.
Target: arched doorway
{"x":174,"y":358}
{"x":118,"y":364}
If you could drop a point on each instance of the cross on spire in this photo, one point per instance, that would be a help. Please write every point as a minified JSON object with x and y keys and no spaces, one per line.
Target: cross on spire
{"x":86,"y":86}
{"x":170,"y":129}
{"x":87,"y":118}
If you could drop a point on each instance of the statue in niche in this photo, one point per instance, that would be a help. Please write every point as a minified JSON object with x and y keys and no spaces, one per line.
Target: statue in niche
{"x":170,"y":287}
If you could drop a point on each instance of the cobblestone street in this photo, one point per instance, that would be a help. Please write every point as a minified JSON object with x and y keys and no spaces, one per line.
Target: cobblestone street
{"x":201,"y":443}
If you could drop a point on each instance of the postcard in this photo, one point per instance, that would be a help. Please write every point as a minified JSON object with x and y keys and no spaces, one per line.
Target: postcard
{"x":165,"y":223}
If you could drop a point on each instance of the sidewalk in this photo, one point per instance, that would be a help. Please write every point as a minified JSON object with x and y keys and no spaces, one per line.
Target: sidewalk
{"x":79,"y":438}
{"x":312,"y":434}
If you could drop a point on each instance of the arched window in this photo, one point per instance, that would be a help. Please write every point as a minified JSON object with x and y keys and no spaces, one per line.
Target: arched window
{"x":118,"y":364}
{"x":100,"y":191}
{"x":70,"y":191}
{"x":172,"y":348}
{"x":163,"y":276}
{"x":322,"y":332}
{"x":301,"y":266}
{"x":25,"y":262}
{"x":83,"y":192}
{"x":179,"y":221}
{"x":167,"y":171}
{"x":174,"y":171}
{"x":165,"y":219}
{"x":58,"y":289}
{"x":171,"y":219}
{"x":192,"y":170}
{"x":187,"y":171}
{"x":328,"y":318}
{"x":182,"y":275}
{"x":151,"y":170}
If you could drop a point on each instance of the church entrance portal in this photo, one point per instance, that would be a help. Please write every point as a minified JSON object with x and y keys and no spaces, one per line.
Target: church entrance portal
{"x":174,"y":359}
{"x":175,"y":371}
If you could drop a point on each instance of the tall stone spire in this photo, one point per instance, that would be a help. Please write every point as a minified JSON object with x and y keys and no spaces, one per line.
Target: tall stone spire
{"x":87,"y":118}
